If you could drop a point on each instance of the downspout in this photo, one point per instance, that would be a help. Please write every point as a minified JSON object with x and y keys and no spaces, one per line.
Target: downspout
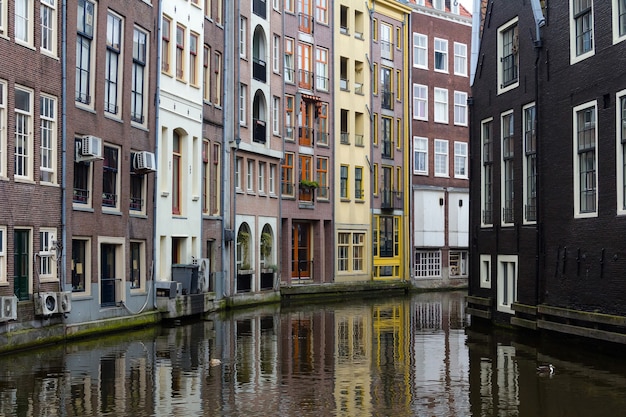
{"x":279,"y":224}
{"x":63,"y":265}
{"x":476,"y":19}
{"x":236,"y":56}
{"x":157,"y":133}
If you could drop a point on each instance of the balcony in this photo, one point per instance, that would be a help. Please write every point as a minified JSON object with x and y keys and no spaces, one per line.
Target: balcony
{"x":322,"y":138}
{"x":305,"y":136}
{"x":259,"y":8}
{"x":305,"y":79}
{"x":323,"y":193}
{"x":81,"y":196}
{"x":358,"y":88}
{"x":391,"y":200}
{"x":344,"y":138}
{"x":305,"y":23}
{"x":290,"y":75}
{"x":259,"y":70}
{"x":260,"y":131}
{"x":321,"y":83}
{"x":387,"y":146}
{"x":286,"y":188}
{"x":306,"y":193}
{"x":387,"y":100}
{"x":289,"y":132}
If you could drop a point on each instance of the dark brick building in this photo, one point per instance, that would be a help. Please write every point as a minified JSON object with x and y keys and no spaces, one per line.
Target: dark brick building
{"x":547,"y":184}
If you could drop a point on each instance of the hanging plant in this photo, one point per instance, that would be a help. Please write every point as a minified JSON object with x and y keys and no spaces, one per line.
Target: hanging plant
{"x":266,"y":244}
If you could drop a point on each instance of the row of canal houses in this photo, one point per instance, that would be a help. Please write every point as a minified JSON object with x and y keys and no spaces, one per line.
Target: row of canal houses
{"x":216,"y":152}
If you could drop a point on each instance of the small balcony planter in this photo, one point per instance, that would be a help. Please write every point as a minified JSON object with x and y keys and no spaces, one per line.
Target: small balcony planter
{"x":309,"y":184}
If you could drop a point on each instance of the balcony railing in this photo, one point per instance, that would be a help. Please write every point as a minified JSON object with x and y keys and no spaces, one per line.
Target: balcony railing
{"x":305,"y":79}
{"x":391,"y":199}
{"x":136,"y":203}
{"x":508,"y":215}
{"x":305,"y":136}
{"x":488,"y":216}
{"x":260,"y":129}
{"x":387,"y":146}
{"x":290,"y":75}
{"x":385,"y":49}
{"x":81,"y":196}
{"x":358,"y":140}
{"x":344,"y":84}
{"x":323,"y":193}
{"x":305,"y":23}
{"x":259,"y":8}
{"x":344,"y":138}
{"x":289,"y":132}
{"x":321,"y":138}
{"x":259,"y":70}
{"x":286,"y":188}
{"x":358,"y":88}
{"x":109,"y":199}
{"x":344,"y":30}
{"x":531,"y":212}
{"x":387,"y":100}
{"x":321,"y":83}
{"x":306,"y":194}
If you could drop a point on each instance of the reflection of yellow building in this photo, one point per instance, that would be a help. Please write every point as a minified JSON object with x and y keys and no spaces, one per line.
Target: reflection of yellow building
{"x":353,"y":353}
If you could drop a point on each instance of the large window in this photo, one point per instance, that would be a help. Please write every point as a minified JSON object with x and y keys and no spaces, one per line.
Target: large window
{"x":321,"y":69}
{"x":530,"y":163}
{"x":321,"y":11}
{"x":420,"y":155}
{"x":287,"y":177}
{"x":508,"y":168}
{"x":350,"y":251}
{"x":321,"y":177}
{"x":177,"y":156}
{"x":23,"y":133}
{"x":46,"y":254}
{"x":289,"y":61}
{"x":193,"y":59}
{"x":47,"y":18}
{"x":359,"y":192}
{"x":619,"y":20}
{"x":180,"y":52}
{"x":460,"y":108}
{"x":289,"y":117}
{"x":166,"y":33}
{"x":82,"y":180}
{"x":81,"y":266}
{"x":84,"y":53}
{"x":3,"y":131}
{"x":110,"y":177}
{"x":441,"y":55}
{"x":585,"y":161}
{"x":137,"y":188}
{"x":48,"y":134}
{"x":460,"y":160}
{"x":487,"y":172}
{"x":137,"y":94}
{"x":305,"y":65}
{"x":441,"y":105}
{"x":137,"y":262}
{"x":322,"y":124}
{"x":343,"y":182}
{"x":508,"y":62}
{"x":460,"y":59}
{"x":386,"y":124}
{"x":386,"y":41}
{"x":441,"y":158}
{"x":112,"y":65}
{"x":427,"y":264}
{"x":581,"y":27}
{"x":206,"y":74}
{"x":420,"y":50}
{"x":420,"y":102}
{"x":507,"y":283}
{"x":24,"y":21}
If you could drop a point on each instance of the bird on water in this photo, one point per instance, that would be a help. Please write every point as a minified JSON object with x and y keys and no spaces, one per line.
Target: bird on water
{"x":545,"y":369}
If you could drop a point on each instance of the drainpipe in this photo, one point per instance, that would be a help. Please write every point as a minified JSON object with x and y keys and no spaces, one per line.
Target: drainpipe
{"x":236,"y":54}
{"x":157,"y":133}
{"x":63,"y":265}
{"x":476,"y":19}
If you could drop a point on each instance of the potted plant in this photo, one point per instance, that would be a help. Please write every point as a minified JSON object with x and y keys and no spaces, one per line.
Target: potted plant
{"x":308,"y":184}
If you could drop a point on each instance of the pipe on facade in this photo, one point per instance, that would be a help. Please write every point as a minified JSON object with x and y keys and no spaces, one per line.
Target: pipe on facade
{"x":157,"y":132}
{"x":63,"y":266}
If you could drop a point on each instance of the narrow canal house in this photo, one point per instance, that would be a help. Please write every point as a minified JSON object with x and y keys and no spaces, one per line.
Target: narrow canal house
{"x":439,"y":185}
{"x":31,"y":171}
{"x":307,"y":66}
{"x":388,"y":161}
{"x":549,"y":105}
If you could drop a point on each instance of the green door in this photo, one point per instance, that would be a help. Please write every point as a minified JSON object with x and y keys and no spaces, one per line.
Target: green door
{"x":20,"y":260}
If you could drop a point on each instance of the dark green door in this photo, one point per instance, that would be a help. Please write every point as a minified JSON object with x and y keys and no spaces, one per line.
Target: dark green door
{"x":20,"y":260}
{"x":107,"y":274}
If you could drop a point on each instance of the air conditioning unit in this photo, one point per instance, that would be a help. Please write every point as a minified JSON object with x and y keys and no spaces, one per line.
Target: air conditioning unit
{"x":8,"y":306}
{"x":89,"y":148}
{"x":204,"y":272}
{"x":46,"y":304}
{"x":65,"y":301}
{"x":144,"y":161}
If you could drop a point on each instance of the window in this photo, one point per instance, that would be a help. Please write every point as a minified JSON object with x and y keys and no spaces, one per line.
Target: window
{"x":350,"y":251}
{"x":23,"y":133}
{"x":619,"y":20}
{"x":507,"y":282}
{"x":581,"y":29}
{"x":112,"y":65}
{"x":250,"y":176}
{"x":321,"y":177}
{"x":359,"y":192}
{"x":321,"y":69}
{"x":272,"y":179}
{"x":216,"y":184}
{"x":458,"y":263}
{"x":441,"y":158}
{"x":508,"y":62}
{"x":276,"y":54}
{"x":289,"y":5}
{"x":305,"y":65}
{"x":460,"y":160}
{"x":47,"y":18}
{"x":3,"y":17}
{"x":508,"y":167}
{"x":217,"y":99}
{"x":420,"y":51}
{"x":206,"y":74}
{"x":84,"y":51}
{"x":427,"y":264}
{"x":420,"y":155}
{"x":322,"y":124}
{"x":81,"y":266}
{"x":621,"y":151}
{"x":24,"y":21}
{"x":3,"y":131}
{"x":321,"y":11}
{"x":289,"y":62}
{"x":83,"y":173}
{"x":219,"y":15}
{"x":289,"y":119}
{"x":137,"y":188}
{"x":460,"y":59}
{"x":375,"y":79}
{"x":441,"y":105}
{"x":46,"y":255}
{"x":243,"y":99}
{"x":439,"y":5}
{"x":420,"y":102}
{"x":3,"y":256}
{"x":206,"y":173}
{"x":48,"y":135}
{"x":287,"y":175}
{"x":387,"y":137}
{"x":137,"y":94}
{"x":276,"y":115}
{"x":137,"y":262}
{"x":487,"y":172}
{"x":387,"y":89}
{"x":485,"y":271}
{"x":165,"y":44}
{"x":585,"y":160}
{"x":262,"y":174}
{"x":177,"y":156}
{"x":460,"y":108}
{"x":110,"y":181}
{"x":441,"y":55}
{"x":238,"y":172}
{"x":193,"y":59}
{"x":243,"y":37}
{"x":386,"y":43}
{"x":180,"y":52}
{"x":530,"y":163}
{"x":343,"y":182}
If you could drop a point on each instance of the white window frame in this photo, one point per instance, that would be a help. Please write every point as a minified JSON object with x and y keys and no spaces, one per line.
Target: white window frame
{"x":141,"y":289}
{"x":250,"y":176}
{"x":86,"y":87}
{"x":485,"y":271}
{"x":577,"y":185}
{"x":616,"y":12}
{"x":47,"y":255}
{"x":272,"y":180}
{"x":440,"y":47}
{"x":441,"y":165}
{"x":276,"y":54}
{"x":574,"y":56}
{"x":85,"y":268}
{"x":527,"y":159}
{"x":139,"y":87}
{"x":321,"y":69}
{"x":243,"y":37}
{"x":503,"y":171}
{"x":507,"y":283}
{"x":243,"y":101}
{"x":289,"y":61}
{"x":460,"y":160}
{"x":483,"y":179}
{"x":3,"y":128}
{"x":441,"y":105}
{"x":118,"y":177}
{"x":462,"y":266}
{"x":3,"y":17}
{"x":431,"y":268}
{"x":48,"y":139}
{"x":261,"y":186}
{"x":460,"y":108}
{"x":23,"y":22}
{"x":420,"y":102}
{"x":420,"y":147}
{"x":48,"y":26}
{"x":276,"y":115}
{"x":113,"y":70}
{"x":501,"y":31}
{"x":4,"y":281}
{"x":27,"y":154}
{"x":238,"y":167}
{"x":420,"y":50}
{"x":460,"y":59}
{"x":620,"y":150}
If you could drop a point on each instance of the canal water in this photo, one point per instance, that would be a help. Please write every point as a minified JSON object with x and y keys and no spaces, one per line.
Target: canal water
{"x":416,"y":355}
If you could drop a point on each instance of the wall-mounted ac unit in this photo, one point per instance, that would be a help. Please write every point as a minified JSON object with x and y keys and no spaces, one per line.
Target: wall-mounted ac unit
{"x":204,"y":272}
{"x":8,"y":306}
{"x":46,"y":304}
{"x":65,"y":301}
{"x":89,"y":148}
{"x":144,"y":161}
